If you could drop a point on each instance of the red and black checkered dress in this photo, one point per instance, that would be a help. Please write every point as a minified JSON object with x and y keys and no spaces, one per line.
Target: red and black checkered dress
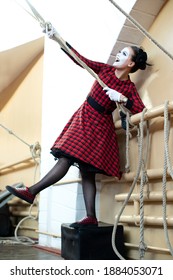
{"x":89,"y":136}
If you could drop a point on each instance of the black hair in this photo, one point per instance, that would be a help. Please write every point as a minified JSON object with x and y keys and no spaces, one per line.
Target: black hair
{"x":140,"y":59}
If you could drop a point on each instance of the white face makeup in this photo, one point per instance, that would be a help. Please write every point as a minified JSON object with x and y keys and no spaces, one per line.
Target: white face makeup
{"x":122,"y":57}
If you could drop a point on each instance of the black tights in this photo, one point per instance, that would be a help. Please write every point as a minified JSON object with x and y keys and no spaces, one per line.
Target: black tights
{"x":89,"y":192}
{"x":58,"y":172}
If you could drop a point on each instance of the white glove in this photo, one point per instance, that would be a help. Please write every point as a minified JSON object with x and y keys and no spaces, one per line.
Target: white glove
{"x":49,"y":30}
{"x":113,"y":94}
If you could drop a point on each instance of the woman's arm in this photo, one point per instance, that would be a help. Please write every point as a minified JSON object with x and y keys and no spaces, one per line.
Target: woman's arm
{"x":95,"y":66}
{"x":134,"y":102}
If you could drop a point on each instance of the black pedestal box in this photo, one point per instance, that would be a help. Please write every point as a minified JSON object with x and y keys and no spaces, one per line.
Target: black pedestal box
{"x":91,"y":243}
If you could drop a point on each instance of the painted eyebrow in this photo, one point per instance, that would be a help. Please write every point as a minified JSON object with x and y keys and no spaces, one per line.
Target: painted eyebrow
{"x":125,"y":52}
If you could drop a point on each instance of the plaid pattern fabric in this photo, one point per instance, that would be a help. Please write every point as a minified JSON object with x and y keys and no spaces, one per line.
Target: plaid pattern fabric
{"x":89,"y":135}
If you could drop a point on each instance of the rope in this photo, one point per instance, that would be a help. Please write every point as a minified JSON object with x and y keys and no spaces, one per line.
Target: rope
{"x":144,"y":181}
{"x":62,"y":43}
{"x":12,"y":133}
{"x":56,"y":37}
{"x":129,"y":125}
{"x":25,"y":9}
{"x":166,"y":160}
{"x":127,"y":165}
{"x":139,"y":166}
{"x":24,"y":239}
{"x":142,"y":245}
{"x":128,"y":136}
{"x":166,"y":138}
{"x":143,"y":30}
{"x":35,"y":150}
{"x":147,"y":142}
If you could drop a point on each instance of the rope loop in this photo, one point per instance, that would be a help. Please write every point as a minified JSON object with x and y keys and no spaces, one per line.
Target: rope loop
{"x":35,"y":150}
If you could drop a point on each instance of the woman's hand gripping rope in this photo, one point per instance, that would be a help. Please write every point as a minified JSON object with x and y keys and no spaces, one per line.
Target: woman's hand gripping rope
{"x":49,"y":30}
{"x":115,"y":95}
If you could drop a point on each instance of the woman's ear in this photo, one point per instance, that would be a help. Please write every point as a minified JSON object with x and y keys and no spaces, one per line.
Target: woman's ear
{"x":131,"y":64}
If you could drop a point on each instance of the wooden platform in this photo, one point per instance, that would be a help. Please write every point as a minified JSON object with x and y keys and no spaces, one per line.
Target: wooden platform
{"x":90,"y":243}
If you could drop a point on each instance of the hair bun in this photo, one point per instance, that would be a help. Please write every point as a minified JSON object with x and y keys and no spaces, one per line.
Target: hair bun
{"x":141,"y":59}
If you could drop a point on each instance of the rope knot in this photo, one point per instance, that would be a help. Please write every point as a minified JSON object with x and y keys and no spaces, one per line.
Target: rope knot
{"x":144,"y":175}
{"x":35,"y":150}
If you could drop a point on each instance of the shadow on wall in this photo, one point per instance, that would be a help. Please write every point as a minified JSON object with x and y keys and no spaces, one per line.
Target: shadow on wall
{"x":7,"y":93}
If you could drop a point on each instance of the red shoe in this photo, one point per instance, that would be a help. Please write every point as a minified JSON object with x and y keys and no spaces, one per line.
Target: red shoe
{"x":85,"y":222}
{"x":22,"y":192}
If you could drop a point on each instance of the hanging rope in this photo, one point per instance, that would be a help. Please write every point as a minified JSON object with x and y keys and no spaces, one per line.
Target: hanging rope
{"x":144,"y":180}
{"x":143,"y":30}
{"x":166,"y":162}
{"x":127,"y":165}
{"x":139,"y":166}
{"x":129,"y":127}
{"x":166,"y":138}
